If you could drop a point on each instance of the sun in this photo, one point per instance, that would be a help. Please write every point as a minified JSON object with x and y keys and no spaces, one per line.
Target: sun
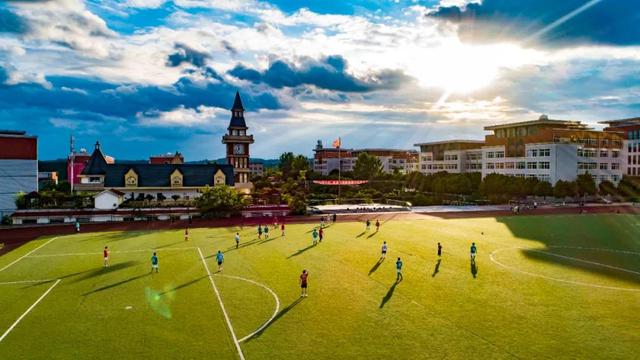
{"x":459,"y":68}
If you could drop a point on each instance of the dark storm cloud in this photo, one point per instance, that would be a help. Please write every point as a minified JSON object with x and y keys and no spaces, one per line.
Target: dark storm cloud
{"x":185,"y":54}
{"x":612,"y":22}
{"x":328,"y":73}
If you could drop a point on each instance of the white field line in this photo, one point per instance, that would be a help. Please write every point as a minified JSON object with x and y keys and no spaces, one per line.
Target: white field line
{"x":514,"y":269}
{"x":28,"y":311}
{"x":25,"y":282}
{"x":115,"y":252}
{"x":224,"y":311}
{"x":27,"y":254}
{"x":275,"y":312}
{"x":586,"y":261}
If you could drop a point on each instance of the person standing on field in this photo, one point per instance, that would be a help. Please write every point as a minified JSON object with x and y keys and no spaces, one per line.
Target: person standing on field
{"x":220,"y":260}
{"x":237,"y":240}
{"x":105,"y":254}
{"x":154,"y":263}
{"x":377,"y":225}
{"x":282,"y":228}
{"x":77,"y":226}
{"x":384,"y":251}
{"x":367,"y":225}
{"x":474,"y":252}
{"x":266,"y":232}
{"x":439,"y":250}
{"x":399,"y":270}
{"x":303,"y":283}
{"x":320,"y":234}
{"x":259,"y":231}
{"x":186,"y":234}
{"x":314,"y":236}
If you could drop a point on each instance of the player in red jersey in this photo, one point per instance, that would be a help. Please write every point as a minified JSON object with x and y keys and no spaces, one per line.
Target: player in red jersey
{"x":303,"y":283}
{"x":105,"y":253}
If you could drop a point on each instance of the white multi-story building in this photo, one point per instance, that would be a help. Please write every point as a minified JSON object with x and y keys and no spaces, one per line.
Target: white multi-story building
{"x":630,"y":156}
{"x":552,"y":150}
{"x":453,"y":156}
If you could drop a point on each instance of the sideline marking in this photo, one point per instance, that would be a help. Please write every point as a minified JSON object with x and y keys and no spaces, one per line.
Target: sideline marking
{"x":515,"y":269}
{"x":275,"y":312}
{"x":114,"y":252}
{"x":28,"y":310}
{"x":224,"y":311}
{"x":26,"y":282}
{"x":27,"y":254}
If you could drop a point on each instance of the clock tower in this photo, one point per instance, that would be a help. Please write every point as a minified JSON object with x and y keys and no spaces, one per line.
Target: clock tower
{"x":237,"y":142}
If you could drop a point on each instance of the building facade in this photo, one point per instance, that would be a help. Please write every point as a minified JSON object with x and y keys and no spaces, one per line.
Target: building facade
{"x":237,"y":143}
{"x":326,"y":160}
{"x":168,"y":158}
{"x":158,"y":180}
{"x":630,"y":131}
{"x":256,"y":169}
{"x":454,"y":156}
{"x":552,"y":150}
{"x":18,"y":167}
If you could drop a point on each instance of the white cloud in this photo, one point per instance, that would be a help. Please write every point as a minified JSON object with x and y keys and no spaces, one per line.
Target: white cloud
{"x":181,"y":117}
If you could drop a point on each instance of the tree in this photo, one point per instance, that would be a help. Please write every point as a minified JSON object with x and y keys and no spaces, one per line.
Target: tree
{"x":161,"y":197}
{"x":607,"y":188}
{"x":564,"y":189}
{"x":543,"y":188}
{"x":367,"y":167}
{"x":219,"y":201}
{"x":299,"y":166}
{"x":586,"y":185}
{"x":286,"y":162}
{"x":175,"y":197}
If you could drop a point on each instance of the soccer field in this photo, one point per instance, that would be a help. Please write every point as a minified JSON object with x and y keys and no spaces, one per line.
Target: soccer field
{"x":543,"y":287}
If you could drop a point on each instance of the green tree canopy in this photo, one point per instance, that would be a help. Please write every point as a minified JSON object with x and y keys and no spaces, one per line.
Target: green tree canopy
{"x":219,"y":201}
{"x":367,"y":167}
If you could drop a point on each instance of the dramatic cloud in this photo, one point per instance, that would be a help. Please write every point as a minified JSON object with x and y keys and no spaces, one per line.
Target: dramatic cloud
{"x":557,"y":22}
{"x":10,"y":22}
{"x":185,"y":54}
{"x":328,"y":73}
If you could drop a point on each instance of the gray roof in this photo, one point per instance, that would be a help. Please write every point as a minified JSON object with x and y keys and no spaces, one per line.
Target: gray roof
{"x":237,"y":121}
{"x":155,"y":175}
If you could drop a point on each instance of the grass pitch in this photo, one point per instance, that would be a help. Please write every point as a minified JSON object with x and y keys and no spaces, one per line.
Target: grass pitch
{"x":543,"y":287}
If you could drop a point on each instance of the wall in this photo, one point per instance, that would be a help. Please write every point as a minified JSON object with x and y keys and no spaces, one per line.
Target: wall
{"x":16,"y":176}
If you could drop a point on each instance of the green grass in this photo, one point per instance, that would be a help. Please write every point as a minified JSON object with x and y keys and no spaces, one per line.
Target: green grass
{"x":531,"y":309}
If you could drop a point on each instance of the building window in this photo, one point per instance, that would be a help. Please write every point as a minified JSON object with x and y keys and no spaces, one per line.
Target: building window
{"x":499,"y":165}
{"x":532,"y":153}
{"x":499,"y":154}
{"x":544,"y":165}
{"x":615,"y":166}
{"x":615,"y":154}
{"x":615,"y":178}
{"x":532,"y":165}
{"x":520,"y":165}
{"x":604,"y":166}
{"x":491,"y":166}
{"x":544,"y":152}
{"x":490,"y":155}
{"x":510,"y":165}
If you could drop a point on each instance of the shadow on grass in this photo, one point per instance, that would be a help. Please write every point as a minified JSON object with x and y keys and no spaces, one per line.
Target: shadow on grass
{"x":361,"y":234}
{"x":474,"y":269}
{"x":280,"y":314}
{"x":372,"y":235}
{"x":269,"y":239}
{"x":579,"y":262}
{"x":302,"y":251}
{"x":168,"y":245}
{"x":181,"y":286}
{"x":376,"y":266}
{"x":436,"y":269}
{"x":242,"y":245}
{"x":106,"y":270}
{"x":116,"y":284}
{"x":389,"y":294}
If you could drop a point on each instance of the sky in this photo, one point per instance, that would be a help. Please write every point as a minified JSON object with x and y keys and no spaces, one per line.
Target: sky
{"x":146,"y":77}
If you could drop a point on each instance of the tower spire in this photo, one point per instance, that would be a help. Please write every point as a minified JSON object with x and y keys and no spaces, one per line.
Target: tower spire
{"x":237,"y":114}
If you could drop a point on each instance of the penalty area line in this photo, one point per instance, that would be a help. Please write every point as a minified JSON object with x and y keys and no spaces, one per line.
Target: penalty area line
{"x":27,"y":254}
{"x":28,"y":310}
{"x":224,"y":311}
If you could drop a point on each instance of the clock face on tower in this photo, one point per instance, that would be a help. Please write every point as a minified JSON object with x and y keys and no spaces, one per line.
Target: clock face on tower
{"x":238,"y":149}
